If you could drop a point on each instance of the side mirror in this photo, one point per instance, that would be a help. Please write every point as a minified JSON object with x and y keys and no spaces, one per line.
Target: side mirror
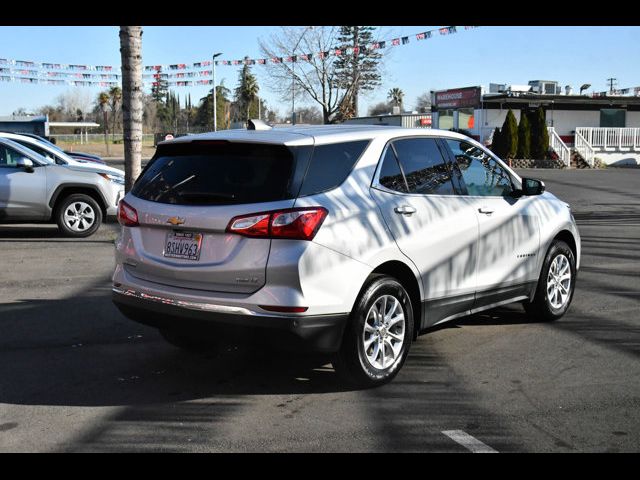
{"x":25,"y":163}
{"x":531,"y":186}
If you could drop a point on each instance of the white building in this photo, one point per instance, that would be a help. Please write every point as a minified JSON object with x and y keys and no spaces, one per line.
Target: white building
{"x":601,"y":126}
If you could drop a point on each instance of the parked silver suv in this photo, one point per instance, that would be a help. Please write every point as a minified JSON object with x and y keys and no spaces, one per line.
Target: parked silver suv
{"x":34,"y":188}
{"x":352,"y":239}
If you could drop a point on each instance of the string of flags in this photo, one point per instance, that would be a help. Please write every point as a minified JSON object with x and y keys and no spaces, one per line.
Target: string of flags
{"x":23,"y":71}
{"x":620,"y":91}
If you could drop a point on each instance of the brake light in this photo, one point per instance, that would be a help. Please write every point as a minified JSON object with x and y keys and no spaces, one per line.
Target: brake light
{"x":127,"y":215}
{"x":294,"y":223}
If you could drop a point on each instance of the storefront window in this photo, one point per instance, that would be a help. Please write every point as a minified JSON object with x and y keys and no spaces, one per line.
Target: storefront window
{"x":445,"y":119}
{"x":612,"y":117}
{"x":466,"y":121}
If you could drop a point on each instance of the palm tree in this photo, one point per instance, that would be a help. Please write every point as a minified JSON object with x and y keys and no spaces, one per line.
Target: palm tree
{"x":115,"y":96}
{"x":132,"y":106}
{"x":103,"y":101}
{"x":396,"y":95}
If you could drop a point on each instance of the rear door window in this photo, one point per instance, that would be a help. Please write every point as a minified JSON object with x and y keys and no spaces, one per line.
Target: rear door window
{"x":218,"y":173}
{"x":425,"y":169}
{"x":390,"y":174}
{"x":330,"y":165}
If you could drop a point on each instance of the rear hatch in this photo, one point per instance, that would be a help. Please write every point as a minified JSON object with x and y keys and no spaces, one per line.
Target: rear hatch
{"x":185,"y":199}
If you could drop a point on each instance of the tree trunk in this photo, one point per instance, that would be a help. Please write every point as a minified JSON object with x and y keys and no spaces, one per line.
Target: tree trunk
{"x":113,"y":122}
{"x":106,"y":129}
{"x":131,"y":54}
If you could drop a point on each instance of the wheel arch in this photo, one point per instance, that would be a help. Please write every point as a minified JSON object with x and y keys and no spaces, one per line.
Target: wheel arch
{"x":66,"y":189}
{"x":405,"y":275}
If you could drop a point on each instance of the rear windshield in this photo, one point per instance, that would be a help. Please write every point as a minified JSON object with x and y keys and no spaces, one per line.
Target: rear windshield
{"x":220,"y":173}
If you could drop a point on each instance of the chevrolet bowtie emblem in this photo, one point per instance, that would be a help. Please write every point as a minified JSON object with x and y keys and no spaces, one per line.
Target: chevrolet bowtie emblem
{"x":175,"y":221}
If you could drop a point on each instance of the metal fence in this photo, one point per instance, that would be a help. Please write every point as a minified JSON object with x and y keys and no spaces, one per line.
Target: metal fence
{"x":147,"y":139}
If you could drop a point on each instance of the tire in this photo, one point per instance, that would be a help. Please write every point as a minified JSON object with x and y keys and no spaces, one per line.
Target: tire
{"x":78,"y":215}
{"x":190,"y":343}
{"x":363,"y":366}
{"x":550,"y":303}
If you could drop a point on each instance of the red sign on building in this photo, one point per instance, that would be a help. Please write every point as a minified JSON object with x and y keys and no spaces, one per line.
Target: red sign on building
{"x":459,"y":98}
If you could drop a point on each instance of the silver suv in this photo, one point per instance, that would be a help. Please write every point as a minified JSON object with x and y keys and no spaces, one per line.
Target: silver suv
{"x":351,"y":239}
{"x":34,"y":188}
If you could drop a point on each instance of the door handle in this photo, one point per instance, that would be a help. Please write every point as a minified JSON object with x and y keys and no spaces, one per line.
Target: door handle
{"x":485,"y":210}
{"x":404,"y":210}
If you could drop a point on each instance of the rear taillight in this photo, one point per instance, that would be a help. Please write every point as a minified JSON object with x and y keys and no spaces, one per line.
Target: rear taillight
{"x":294,"y":223}
{"x":127,"y":215}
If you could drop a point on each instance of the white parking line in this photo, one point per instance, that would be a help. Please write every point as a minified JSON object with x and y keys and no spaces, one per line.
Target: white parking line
{"x":469,"y":442}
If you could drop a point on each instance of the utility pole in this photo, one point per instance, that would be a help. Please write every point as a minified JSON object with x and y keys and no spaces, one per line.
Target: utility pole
{"x":215,"y":94}
{"x":612,"y":83}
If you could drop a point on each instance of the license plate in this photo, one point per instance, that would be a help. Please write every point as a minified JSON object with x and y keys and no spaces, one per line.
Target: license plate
{"x":185,"y":245}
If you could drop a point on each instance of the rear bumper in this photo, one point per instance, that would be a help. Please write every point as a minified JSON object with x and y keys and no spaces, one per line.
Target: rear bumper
{"x":316,"y":333}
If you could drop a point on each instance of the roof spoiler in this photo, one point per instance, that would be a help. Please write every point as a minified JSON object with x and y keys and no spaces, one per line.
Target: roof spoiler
{"x":255,"y":124}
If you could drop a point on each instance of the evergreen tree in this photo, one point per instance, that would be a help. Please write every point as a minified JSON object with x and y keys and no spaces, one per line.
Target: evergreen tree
{"x":510,"y":135}
{"x":246,"y":93}
{"x":539,"y":135}
{"x":359,"y":70}
{"x":160,"y":87}
{"x":204,"y":114}
{"x":524,"y":136}
{"x":497,"y":145}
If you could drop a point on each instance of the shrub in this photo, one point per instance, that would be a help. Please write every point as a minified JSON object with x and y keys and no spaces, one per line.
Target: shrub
{"x":539,"y":135}
{"x":510,"y":135}
{"x":496,"y":143}
{"x":524,"y":136}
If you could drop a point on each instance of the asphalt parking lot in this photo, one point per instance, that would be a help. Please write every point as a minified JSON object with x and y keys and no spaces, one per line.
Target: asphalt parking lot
{"x":75,"y":375}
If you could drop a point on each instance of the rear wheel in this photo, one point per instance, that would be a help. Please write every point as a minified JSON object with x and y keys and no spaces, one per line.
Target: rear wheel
{"x":78,"y":215}
{"x":379,"y":334}
{"x":555,"y":285}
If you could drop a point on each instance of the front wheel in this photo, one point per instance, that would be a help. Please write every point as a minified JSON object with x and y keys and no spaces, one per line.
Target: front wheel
{"x":556,"y":284}
{"x":377,"y":339}
{"x":78,"y":215}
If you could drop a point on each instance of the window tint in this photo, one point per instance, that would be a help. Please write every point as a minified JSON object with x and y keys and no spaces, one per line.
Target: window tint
{"x":424,"y":168}
{"x":8,"y":157}
{"x":482,"y":175}
{"x":218,"y":173}
{"x":330,"y":165}
{"x":390,"y":175}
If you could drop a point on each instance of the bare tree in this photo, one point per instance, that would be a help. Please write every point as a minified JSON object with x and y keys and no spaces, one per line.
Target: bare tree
{"x":381,"y":108}
{"x":73,"y":100}
{"x":132,"y":105}
{"x":423,"y":103}
{"x":311,"y":115}
{"x":314,"y":77}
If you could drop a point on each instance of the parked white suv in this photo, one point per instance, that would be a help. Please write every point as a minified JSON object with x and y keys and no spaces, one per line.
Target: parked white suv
{"x":350,"y":239}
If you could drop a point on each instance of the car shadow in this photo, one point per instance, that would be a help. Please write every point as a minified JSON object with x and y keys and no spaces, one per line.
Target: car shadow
{"x":82,"y":351}
{"x":51,"y":233}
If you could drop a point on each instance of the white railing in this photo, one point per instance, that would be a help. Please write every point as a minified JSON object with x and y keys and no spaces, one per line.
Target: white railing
{"x":558,"y":146}
{"x":611,"y":138}
{"x":584,"y":148}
